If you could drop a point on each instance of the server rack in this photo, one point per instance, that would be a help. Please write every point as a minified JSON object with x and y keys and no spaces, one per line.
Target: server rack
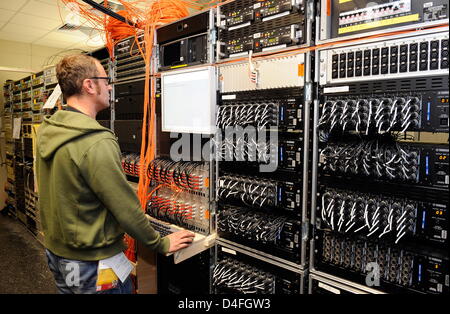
{"x":403,"y":264}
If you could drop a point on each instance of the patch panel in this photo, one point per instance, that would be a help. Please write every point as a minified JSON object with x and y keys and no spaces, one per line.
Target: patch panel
{"x":285,"y":154}
{"x":415,"y":164}
{"x":281,"y":108}
{"x":425,"y":55}
{"x":128,"y":62}
{"x":411,"y":106}
{"x":349,"y":19}
{"x":131,"y":164}
{"x":260,"y":193}
{"x":275,"y":234}
{"x":399,"y":269}
{"x":237,"y":272}
{"x":183,"y":209}
{"x":391,"y":219}
{"x":188,"y":176}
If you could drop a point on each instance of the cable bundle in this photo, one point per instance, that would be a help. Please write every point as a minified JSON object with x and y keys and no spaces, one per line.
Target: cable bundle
{"x":246,"y":148}
{"x":237,"y":276}
{"x":372,"y":158}
{"x":131,"y":164}
{"x":182,"y":209}
{"x":365,"y":114}
{"x":251,"y":225}
{"x":250,"y":191}
{"x":181,"y":175}
{"x":351,"y":212}
{"x":259,"y":115}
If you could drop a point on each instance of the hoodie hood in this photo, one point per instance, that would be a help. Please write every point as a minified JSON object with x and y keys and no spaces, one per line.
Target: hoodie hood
{"x":63,"y":127}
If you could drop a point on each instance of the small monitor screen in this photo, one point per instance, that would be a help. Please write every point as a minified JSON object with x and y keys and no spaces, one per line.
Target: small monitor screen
{"x":189,"y":100}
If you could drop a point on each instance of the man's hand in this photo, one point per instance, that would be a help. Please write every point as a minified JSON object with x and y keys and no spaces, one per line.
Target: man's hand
{"x":180,"y":240}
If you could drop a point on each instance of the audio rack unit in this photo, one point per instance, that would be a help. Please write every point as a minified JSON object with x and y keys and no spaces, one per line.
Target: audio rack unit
{"x":391,"y":219}
{"x":257,"y":26}
{"x":343,"y":19}
{"x":377,"y":112}
{"x":414,"y":164}
{"x":238,"y":271}
{"x":128,"y":62}
{"x":129,"y":101}
{"x":399,"y":269}
{"x":285,"y":154}
{"x":322,"y":284}
{"x":255,"y":192}
{"x":185,"y":209}
{"x":129,"y":135}
{"x":274,"y":234}
{"x":283,"y":107}
{"x":420,"y":55}
{"x":186,"y":42}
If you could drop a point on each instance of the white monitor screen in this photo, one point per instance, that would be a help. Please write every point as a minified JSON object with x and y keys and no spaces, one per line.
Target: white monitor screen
{"x":189,"y":100}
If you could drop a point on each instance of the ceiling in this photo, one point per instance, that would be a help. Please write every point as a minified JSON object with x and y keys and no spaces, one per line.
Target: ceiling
{"x":36,"y":22}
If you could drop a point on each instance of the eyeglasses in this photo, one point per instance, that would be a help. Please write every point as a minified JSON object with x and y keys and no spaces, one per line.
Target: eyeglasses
{"x":109,"y":80}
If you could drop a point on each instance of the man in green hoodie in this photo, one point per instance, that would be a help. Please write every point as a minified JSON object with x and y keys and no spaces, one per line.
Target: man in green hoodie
{"x":85,"y":201}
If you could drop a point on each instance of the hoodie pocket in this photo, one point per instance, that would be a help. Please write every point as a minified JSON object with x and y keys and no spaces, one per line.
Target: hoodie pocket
{"x":90,"y":228}
{"x":112,"y":229}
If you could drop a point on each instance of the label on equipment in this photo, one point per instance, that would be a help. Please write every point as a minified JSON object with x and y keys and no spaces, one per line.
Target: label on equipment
{"x":238,"y":26}
{"x":380,"y":23}
{"x":17,"y":125}
{"x":256,"y":5}
{"x":228,"y":97}
{"x":230,"y":251}
{"x":428,"y":4}
{"x":257,"y":35}
{"x":276,"y":16}
{"x":329,"y":288}
{"x":339,"y":89}
{"x":274,"y":47}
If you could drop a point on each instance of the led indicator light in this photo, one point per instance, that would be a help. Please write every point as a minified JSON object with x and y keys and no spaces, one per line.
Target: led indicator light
{"x":423,"y":220}
{"x":420,"y":272}
{"x":427,"y":165}
{"x":429,"y":111}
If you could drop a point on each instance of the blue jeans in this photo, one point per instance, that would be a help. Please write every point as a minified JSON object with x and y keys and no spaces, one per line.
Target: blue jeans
{"x":80,"y":277}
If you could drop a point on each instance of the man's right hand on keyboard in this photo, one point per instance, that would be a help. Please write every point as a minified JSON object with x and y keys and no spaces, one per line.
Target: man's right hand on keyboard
{"x":180,"y":240}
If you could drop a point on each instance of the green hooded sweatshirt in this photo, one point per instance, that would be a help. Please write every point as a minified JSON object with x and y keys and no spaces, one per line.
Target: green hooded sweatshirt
{"x":85,"y":201}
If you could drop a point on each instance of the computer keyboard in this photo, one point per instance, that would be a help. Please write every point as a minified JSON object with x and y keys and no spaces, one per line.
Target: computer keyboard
{"x":199,"y":243}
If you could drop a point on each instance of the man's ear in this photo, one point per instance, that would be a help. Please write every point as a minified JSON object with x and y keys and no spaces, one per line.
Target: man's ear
{"x":89,"y":87}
